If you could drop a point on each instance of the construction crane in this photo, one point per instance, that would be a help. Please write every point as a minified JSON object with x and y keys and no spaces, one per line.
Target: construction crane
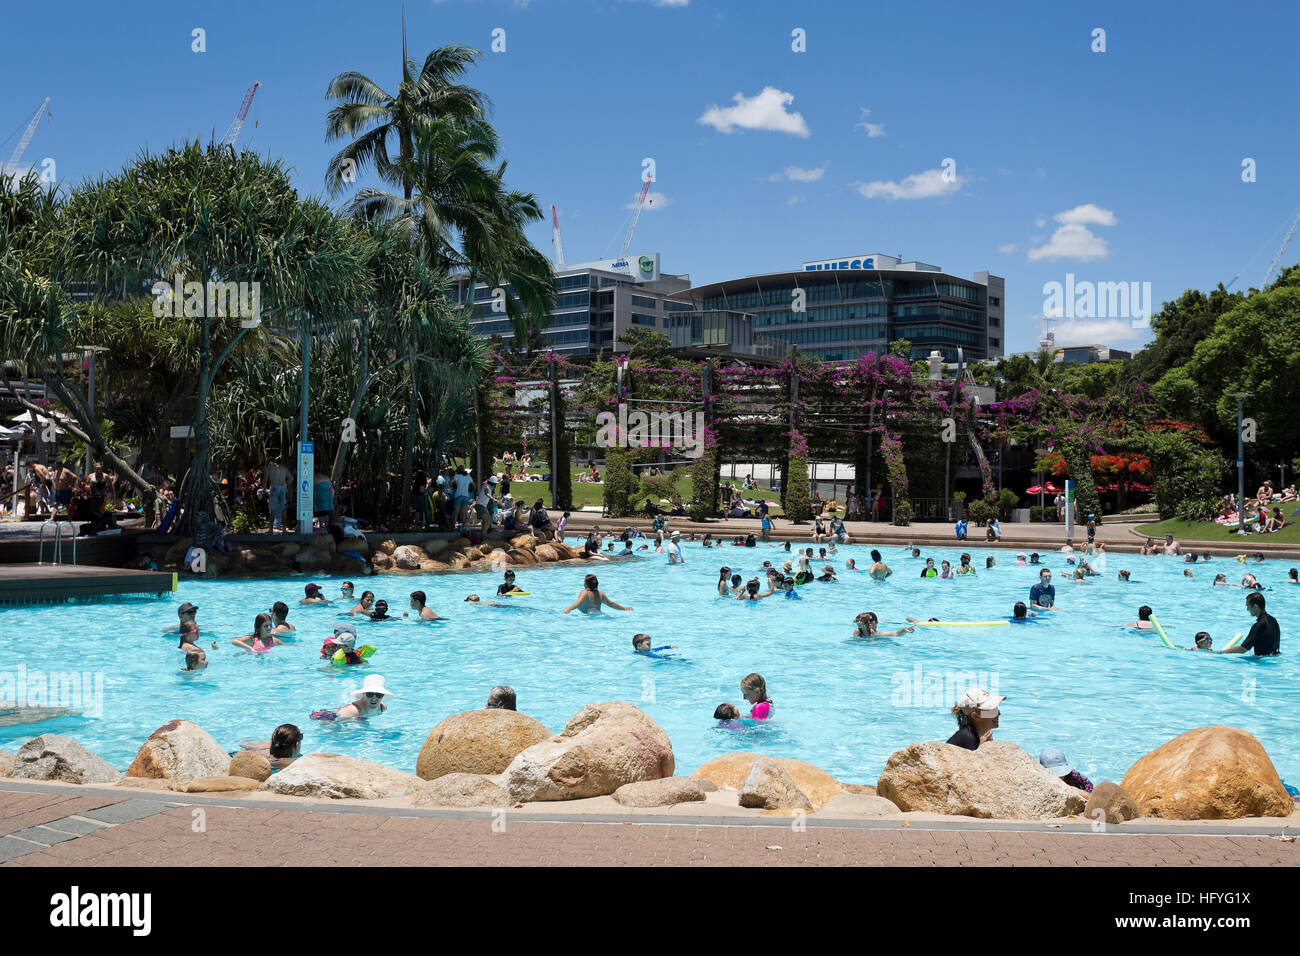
{"x":636,"y":216}
{"x":1286,"y":241}
{"x":232,"y":134}
{"x":12,"y":165}
{"x":555,"y":238}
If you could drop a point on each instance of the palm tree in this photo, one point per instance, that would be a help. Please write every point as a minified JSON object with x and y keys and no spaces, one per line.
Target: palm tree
{"x":371,"y":115}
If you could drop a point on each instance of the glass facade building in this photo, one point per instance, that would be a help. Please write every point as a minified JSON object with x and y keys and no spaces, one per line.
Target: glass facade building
{"x":840,"y":309}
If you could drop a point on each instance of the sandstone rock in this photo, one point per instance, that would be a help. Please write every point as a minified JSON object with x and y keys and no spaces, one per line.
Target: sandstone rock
{"x":731,"y":770}
{"x":7,"y":761}
{"x":381,"y":561}
{"x":769,"y":787}
{"x":603,"y":747}
{"x":345,"y":565}
{"x":500,"y":558}
{"x":313,"y":559}
{"x":565,"y":552}
{"x":484,"y":549}
{"x":180,"y":750}
{"x":546,"y":552}
{"x":1112,"y":803}
{"x":461,"y":544}
{"x":221,"y":561}
{"x":998,"y":780}
{"x":250,"y":764}
{"x":388,"y":546}
{"x":663,"y":792}
{"x":430,"y":565}
{"x":435,"y":546}
{"x":859,"y":805}
{"x":144,"y":783}
{"x":867,"y":789}
{"x":408,"y":557}
{"x":51,"y":757}
{"x":519,"y":556}
{"x":525,"y":541}
{"x":462,"y":790}
{"x":1211,"y":773}
{"x":355,"y":543}
{"x":456,"y":562}
{"x":288,"y":549}
{"x":339,"y":777}
{"x":323,"y":542}
{"x":477,"y":741}
{"x":216,"y":784}
{"x":176,"y":552}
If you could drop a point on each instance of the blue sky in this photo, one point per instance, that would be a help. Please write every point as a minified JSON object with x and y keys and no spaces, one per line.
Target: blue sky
{"x":1123,"y":165}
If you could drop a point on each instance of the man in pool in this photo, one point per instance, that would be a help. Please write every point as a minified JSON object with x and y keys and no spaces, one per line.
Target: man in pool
{"x":1143,"y":623}
{"x":1265,"y":638}
{"x":674,"y":548}
{"x":1020,"y":613}
{"x":879,"y":570}
{"x":1042,"y":596}
{"x":591,"y":598}
{"x":418,"y":605}
{"x":314,"y":595}
{"x":279,"y":619}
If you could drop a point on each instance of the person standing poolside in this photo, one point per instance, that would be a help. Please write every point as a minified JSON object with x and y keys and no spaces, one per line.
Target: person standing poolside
{"x":960,"y":527}
{"x":483,"y":503}
{"x":323,"y":498}
{"x":276,"y":477}
{"x":1265,"y":637}
{"x":977,"y":715}
{"x":1042,"y":596}
{"x":65,"y":480}
{"x":591,"y":598}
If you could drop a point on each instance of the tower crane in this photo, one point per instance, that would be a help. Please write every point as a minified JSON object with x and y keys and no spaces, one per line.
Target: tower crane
{"x":636,"y":216}
{"x":12,"y":165}
{"x":1286,"y":241}
{"x":555,"y":237}
{"x":232,"y":134}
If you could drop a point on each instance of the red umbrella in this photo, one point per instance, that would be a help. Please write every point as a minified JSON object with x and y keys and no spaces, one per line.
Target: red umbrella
{"x":1050,"y":489}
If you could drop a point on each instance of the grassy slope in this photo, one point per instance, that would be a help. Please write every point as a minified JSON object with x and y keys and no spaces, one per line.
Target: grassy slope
{"x":1211,"y":531}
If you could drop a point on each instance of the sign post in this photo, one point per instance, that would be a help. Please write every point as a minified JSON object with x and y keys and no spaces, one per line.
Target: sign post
{"x":1069,"y":509}
{"x":306,"y":484}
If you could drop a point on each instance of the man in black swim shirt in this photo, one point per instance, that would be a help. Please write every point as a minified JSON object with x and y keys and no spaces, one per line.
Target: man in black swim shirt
{"x":1265,"y":637}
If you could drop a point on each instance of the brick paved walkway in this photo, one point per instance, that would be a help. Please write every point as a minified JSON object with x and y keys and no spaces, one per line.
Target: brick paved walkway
{"x":51,"y":829}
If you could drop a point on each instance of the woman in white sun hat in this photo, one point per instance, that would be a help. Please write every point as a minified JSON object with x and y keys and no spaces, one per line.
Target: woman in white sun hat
{"x":977,"y":718}
{"x":368,"y":701}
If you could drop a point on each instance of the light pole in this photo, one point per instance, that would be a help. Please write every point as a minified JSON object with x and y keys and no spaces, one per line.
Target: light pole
{"x":1241,"y":461}
{"x":90,"y":351}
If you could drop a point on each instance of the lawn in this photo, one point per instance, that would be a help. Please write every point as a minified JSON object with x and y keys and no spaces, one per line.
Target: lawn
{"x":589,"y":494}
{"x":1212,"y":531}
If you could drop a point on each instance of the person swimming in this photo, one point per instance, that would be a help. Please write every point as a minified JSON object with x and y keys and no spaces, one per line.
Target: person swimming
{"x":591,"y":598}
{"x":751,"y":593}
{"x":380,"y":613}
{"x":929,"y":571}
{"x":1021,"y":613}
{"x":314,"y":595}
{"x":1143,"y":623}
{"x":1124,"y":576}
{"x":279,"y":619}
{"x":723,"y":573}
{"x":965,"y":566}
{"x":261,"y":639}
{"x":1203,"y":641}
{"x":866,"y":625}
{"x":420,"y":606}
{"x":365,"y":605}
{"x":755,"y":690}
{"x":509,"y":586}
{"x":641,"y":645}
{"x":946,"y":574}
{"x":879,"y":570}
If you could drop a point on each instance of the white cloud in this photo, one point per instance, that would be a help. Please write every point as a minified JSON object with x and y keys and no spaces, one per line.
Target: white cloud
{"x":797,"y":174}
{"x":1083,"y":331}
{"x":794,"y":200}
{"x":765,"y":110}
{"x":1089,"y":214}
{"x":1040,"y":222}
{"x":1009,"y":248}
{"x":1072,"y":241}
{"x":873,"y":129}
{"x":653,"y":200}
{"x":923,"y":185}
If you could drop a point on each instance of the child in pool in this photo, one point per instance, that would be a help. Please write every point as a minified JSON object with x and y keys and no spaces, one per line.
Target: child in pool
{"x":380,"y":613}
{"x":755,"y":690}
{"x":641,"y":645}
{"x":867,"y":626}
{"x":509,"y":587}
{"x":196,"y":660}
{"x":261,"y":639}
{"x":1204,"y":642}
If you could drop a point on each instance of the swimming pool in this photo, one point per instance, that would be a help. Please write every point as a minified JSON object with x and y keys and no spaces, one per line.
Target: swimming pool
{"x":1076,"y":680}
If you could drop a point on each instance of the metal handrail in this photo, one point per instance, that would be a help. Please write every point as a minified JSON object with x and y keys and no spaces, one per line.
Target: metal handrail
{"x":57,"y":557}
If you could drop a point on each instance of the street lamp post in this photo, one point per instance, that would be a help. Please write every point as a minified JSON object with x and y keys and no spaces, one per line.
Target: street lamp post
{"x":1241,"y":461}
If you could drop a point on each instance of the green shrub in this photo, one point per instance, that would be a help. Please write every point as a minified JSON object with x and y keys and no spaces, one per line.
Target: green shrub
{"x":1035,"y":512}
{"x":246,"y":520}
{"x":980,"y":511}
{"x":704,"y":486}
{"x":959,"y":495}
{"x":618,"y":484}
{"x":903,"y":513}
{"x":1008,"y":501}
{"x":798,"y":498}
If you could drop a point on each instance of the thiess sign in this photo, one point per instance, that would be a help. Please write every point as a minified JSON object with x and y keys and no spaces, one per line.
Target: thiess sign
{"x":858,"y":262}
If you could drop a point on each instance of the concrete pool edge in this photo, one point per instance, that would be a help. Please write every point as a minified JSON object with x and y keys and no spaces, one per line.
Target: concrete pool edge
{"x":713,"y":813}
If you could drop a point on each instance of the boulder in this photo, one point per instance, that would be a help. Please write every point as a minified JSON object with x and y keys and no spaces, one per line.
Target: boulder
{"x":250,"y":764}
{"x":429,"y":565}
{"x":477,"y":741}
{"x":434,"y":546}
{"x":287,"y":550}
{"x":484,"y":549}
{"x":546,"y":552}
{"x":339,"y":777}
{"x":998,"y":780}
{"x":525,"y":541}
{"x":51,"y":757}
{"x":462,"y":790}
{"x":500,"y":558}
{"x":176,"y":552}
{"x":387,"y":546}
{"x":519,"y":556}
{"x":381,"y":561}
{"x":1112,"y":803}
{"x":408,"y":557}
{"x":216,"y":784}
{"x":11,"y":714}
{"x":603,"y":747}
{"x":769,"y":787}
{"x":7,"y":761}
{"x":456,"y":562}
{"x":565,"y":552}
{"x":323,"y":542}
{"x":731,"y":771}
{"x":313,"y":559}
{"x":859,"y":805}
{"x":180,"y":750}
{"x":461,"y":544}
{"x":345,"y":565}
{"x":221,"y":562}
{"x":354,"y":542}
{"x":1211,"y":773}
{"x":144,"y":783}
{"x":663,"y":792}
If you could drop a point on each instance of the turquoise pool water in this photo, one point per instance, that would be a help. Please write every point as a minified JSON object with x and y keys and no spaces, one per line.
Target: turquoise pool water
{"x":1103,"y":694}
